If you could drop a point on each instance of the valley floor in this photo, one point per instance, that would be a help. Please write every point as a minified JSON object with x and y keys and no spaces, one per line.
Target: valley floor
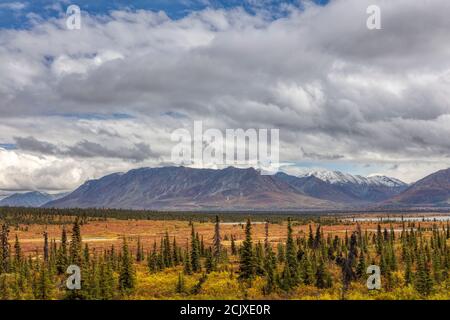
{"x":109,"y":240}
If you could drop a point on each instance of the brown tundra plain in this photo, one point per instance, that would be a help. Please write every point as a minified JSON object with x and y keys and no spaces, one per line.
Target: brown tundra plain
{"x":221,"y":257}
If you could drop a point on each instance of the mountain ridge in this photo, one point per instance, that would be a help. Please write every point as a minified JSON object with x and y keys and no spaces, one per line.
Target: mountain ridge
{"x":188,"y":188}
{"x":29,"y":199}
{"x":338,"y":177}
{"x":430,"y":191}
{"x":230,"y":188}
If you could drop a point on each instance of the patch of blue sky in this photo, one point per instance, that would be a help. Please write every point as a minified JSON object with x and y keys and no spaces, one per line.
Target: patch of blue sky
{"x":8,"y":146}
{"x":16,"y":13}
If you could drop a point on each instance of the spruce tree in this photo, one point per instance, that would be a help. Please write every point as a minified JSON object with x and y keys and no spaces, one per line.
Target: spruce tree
{"x":423,"y":281}
{"x":187,"y":263}
{"x":317,"y":238}
{"x":233,"y":246}
{"x":86,"y":255}
{"x":216,"y":242}
{"x":107,"y":281}
{"x":127,"y":276}
{"x":5,"y":289}
{"x":291,"y":255}
{"x":180,"y":287}
{"x":323,"y":278}
{"x":310,"y":237}
{"x":152,"y":260}
{"x":176,"y":254}
{"x":379,"y":240}
{"x":195,"y":252}
{"x":436,"y":265}
{"x":4,"y":249}
{"x":285,"y":282}
{"x":44,"y":284}
{"x":306,"y":275}
{"x":209,"y":261}
{"x":259,"y":259}
{"x":408,"y":268}
{"x":247,"y":259}
{"x":62,"y":259}
{"x":361,"y":267}
{"x":75,"y":245}
{"x":17,"y":253}
{"x":280,"y":253}
{"x":46,"y":252}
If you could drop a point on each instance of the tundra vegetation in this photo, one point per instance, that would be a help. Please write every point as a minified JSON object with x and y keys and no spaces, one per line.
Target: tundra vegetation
{"x":414,"y":258}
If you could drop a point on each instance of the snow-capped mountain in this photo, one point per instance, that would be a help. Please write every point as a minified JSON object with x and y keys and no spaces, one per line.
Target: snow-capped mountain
{"x":360,"y":189}
{"x":386,"y":181}
{"x":337,"y":177}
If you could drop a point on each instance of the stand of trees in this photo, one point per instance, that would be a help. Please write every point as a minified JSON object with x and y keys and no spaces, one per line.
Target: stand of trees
{"x":16,"y":215}
{"x":406,"y":258}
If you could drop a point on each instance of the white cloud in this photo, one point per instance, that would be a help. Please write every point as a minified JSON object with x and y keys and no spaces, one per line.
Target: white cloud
{"x":333,"y":87}
{"x":14,"y":6}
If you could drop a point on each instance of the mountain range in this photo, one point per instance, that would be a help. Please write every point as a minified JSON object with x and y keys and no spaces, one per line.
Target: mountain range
{"x":346,"y":188}
{"x":29,"y":199}
{"x":183,"y":188}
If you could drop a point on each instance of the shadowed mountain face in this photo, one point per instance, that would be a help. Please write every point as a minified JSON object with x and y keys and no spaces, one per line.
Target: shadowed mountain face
{"x":29,"y":199}
{"x":188,"y":188}
{"x":431,"y":191}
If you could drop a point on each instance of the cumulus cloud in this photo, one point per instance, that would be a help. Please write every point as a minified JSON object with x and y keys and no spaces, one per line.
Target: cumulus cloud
{"x":341,"y":92}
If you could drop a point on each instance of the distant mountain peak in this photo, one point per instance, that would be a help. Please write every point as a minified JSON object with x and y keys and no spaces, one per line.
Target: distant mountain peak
{"x":29,"y":199}
{"x":430,"y":191}
{"x":338,"y":177}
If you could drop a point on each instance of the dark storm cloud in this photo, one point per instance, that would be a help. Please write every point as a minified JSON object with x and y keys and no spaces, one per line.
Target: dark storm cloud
{"x":86,"y":149}
{"x":34,"y":145}
{"x":139,"y":152}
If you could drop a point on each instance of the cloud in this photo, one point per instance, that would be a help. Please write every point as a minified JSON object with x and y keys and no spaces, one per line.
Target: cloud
{"x":86,"y":149}
{"x":24,"y":171}
{"x":13,"y":6}
{"x":341,"y":91}
{"x":138,"y":152}
{"x":318,"y":156}
{"x":32,"y":144}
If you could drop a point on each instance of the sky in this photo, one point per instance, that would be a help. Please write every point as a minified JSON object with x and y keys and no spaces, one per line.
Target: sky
{"x":79,"y":104}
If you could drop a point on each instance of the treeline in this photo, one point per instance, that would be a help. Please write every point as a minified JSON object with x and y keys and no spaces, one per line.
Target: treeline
{"x":410,"y":258}
{"x":16,"y":216}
